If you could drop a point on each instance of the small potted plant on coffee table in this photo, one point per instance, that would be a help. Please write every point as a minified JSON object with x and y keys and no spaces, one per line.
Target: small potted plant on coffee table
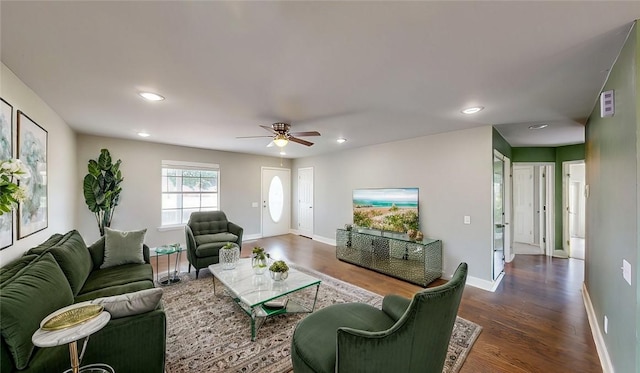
{"x":259,"y":260}
{"x":279,"y":270}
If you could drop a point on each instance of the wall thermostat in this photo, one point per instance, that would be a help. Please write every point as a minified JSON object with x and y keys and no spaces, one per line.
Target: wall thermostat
{"x":607,"y":105}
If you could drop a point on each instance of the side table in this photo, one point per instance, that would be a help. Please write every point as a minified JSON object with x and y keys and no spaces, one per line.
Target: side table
{"x":172,"y":277}
{"x":70,"y":335}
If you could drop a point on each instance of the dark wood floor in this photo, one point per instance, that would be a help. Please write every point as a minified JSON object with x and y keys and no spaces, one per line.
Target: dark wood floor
{"x":534,"y":322}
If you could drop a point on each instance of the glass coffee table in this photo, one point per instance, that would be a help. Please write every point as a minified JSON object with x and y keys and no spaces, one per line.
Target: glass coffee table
{"x":252,"y":291}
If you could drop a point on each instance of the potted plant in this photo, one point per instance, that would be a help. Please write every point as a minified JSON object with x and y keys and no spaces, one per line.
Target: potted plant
{"x":229,"y":255}
{"x":102,"y":189}
{"x":279,"y":270}
{"x":259,"y":260}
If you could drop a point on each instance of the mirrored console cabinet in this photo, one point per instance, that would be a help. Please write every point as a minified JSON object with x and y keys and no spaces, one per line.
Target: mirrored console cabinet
{"x":394,"y":254}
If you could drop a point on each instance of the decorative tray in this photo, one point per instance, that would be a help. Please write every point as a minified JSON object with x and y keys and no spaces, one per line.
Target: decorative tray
{"x":72,"y":317}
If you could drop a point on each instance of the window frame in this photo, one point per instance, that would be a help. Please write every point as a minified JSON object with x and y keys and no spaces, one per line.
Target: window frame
{"x":186,"y":166}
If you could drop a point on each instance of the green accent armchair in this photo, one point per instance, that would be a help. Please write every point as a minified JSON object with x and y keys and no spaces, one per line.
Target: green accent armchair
{"x":407,"y":335}
{"x":206,"y":232}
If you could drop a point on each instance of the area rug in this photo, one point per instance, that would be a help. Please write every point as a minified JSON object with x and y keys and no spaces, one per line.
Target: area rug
{"x":209,"y":333}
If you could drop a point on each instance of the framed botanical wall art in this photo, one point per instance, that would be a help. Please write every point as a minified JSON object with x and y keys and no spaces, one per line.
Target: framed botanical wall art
{"x":6,"y":152}
{"x":32,"y":151}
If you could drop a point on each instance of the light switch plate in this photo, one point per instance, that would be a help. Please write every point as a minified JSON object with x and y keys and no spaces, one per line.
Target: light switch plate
{"x":254,"y":204}
{"x":626,"y":271}
{"x":467,"y":219}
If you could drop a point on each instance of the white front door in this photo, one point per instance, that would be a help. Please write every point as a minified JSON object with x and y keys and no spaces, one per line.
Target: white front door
{"x":276,"y":201}
{"x":305,"y":201}
{"x":523,"y":204}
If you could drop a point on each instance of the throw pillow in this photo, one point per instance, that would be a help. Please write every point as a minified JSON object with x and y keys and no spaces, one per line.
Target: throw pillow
{"x":131,"y":303}
{"x":122,"y":247}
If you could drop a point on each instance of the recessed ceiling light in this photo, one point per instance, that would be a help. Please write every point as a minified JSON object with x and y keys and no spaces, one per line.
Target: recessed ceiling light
{"x":538,"y":126}
{"x":143,"y":134}
{"x":341,"y":140}
{"x":283,"y":153}
{"x":472,"y":110}
{"x":151,"y":96}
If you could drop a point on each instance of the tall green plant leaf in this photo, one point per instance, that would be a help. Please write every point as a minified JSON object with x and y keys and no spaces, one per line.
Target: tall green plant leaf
{"x":104,"y":160}
{"x":94,"y":168}
{"x":101,"y":187}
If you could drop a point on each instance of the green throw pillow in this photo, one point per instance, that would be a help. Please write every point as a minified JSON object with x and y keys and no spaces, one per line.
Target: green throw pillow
{"x":122,"y":247}
{"x":130,"y":304}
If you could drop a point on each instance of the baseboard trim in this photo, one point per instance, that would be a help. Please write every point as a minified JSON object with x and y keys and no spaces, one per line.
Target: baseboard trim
{"x":325,"y":240}
{"x":485,"y":284}
{"x":251,"y":237}
{"x":598,"y":338}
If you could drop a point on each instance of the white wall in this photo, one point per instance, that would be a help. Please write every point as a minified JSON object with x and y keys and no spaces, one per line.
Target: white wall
{"x":453,"y":172}
{"x":63,"y":188}
{"x":140,"y":201}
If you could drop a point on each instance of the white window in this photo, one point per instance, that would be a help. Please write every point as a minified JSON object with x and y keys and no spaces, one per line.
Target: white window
{"x":188,"y":187}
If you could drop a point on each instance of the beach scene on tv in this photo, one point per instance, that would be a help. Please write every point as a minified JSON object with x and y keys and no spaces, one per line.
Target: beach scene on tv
{"x":386,"y":209}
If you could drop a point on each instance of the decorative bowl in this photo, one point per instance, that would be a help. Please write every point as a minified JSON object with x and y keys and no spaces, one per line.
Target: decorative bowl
{"x":279,"y":276}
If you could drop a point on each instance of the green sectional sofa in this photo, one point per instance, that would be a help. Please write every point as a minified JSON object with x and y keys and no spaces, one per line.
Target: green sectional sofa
{"x":62,"y":271}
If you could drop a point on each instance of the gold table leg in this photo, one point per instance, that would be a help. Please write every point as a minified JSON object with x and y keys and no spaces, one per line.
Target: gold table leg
{"x":73,"y":354}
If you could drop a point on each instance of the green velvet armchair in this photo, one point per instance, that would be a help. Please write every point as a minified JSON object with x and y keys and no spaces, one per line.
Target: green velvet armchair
{"x":206,"y":232}
{"x":406,"y":335}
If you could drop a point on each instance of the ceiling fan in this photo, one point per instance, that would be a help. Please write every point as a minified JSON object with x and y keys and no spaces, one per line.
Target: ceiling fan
{"x":281,"y":135}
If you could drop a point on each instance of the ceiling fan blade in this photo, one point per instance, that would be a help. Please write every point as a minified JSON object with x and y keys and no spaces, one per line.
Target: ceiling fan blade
{"x":251,"y":137}
{"x":268,"y":128}
{"x":308,"y":133}
{"x":300,"y":141}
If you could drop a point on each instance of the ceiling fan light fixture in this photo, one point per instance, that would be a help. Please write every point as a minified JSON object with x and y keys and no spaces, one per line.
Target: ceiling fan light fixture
{"x":472,"y":110}
{"x":281,"y":140}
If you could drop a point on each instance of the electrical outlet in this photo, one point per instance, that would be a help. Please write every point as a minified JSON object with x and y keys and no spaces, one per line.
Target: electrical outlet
{"x":606,"y":324}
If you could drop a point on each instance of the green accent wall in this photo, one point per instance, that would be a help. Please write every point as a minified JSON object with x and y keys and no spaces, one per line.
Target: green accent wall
{"x":534,"y":155}
{"x":613,"y":212}
{"x":500,"y":144}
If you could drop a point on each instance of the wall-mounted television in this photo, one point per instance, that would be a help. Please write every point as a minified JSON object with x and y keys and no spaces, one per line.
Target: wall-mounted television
{"x":386,"y":209}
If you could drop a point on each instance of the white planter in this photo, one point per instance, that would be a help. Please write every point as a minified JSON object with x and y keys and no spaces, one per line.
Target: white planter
{"x":229,"y":257}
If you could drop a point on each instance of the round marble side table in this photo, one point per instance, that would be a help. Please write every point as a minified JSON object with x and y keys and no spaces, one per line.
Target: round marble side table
{"x":70,"y":335}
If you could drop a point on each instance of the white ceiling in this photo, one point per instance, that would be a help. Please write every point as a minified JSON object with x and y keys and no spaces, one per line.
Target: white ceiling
{"x":371,"y":72}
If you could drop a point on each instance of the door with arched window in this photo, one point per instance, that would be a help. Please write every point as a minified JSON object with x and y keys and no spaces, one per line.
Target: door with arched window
{"x":276,"y":201}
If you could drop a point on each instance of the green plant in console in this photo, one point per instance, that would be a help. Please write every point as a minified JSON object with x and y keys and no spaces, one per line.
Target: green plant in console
{"x":102,"y":188}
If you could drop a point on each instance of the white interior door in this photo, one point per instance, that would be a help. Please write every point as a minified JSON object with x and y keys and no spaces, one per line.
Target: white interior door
{"x":573,"y":202}
{"x":498,"y":215}
{"x":276,"y":201}
{"x":305,"y":201}
{"x":508,"y":202}
{"x":523,"y":204}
